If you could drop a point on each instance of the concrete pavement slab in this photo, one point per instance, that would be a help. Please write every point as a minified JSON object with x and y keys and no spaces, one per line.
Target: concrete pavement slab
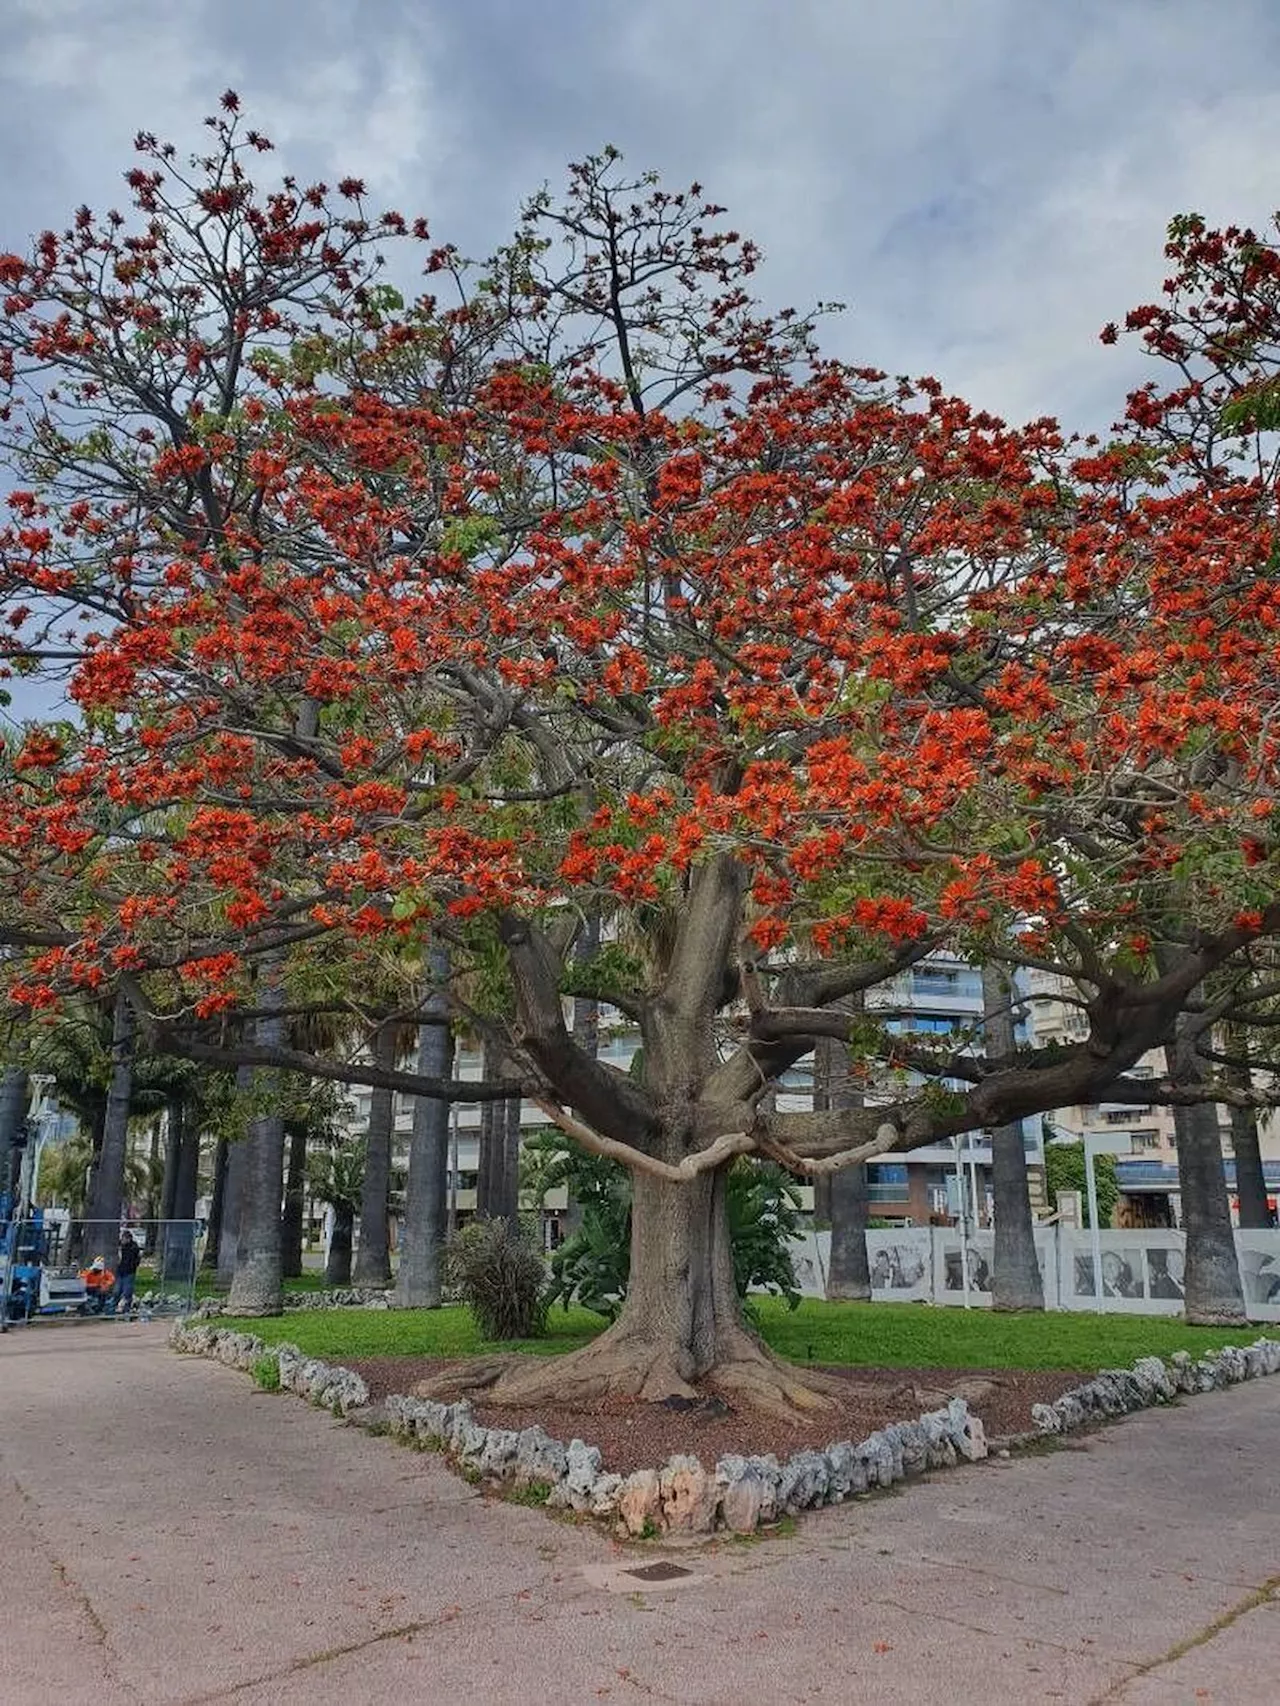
{"x":188,"y":1539}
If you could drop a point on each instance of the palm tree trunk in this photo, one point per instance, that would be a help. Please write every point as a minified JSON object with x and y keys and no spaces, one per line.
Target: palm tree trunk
{"x":172,"y":1144}
{"x":180,"y":1233}
{"x":151,"y":1208}
{"x":497,"y":1182}
{"x":256,"y":1287}
{"x":233,"y":1191}
{"x":1251,"y":1182}
{"x":1016,"y":1281}
{"x":13,"y":1108}
{"x":586,"y":1034}
{"x":418,"y":1283}
{"x":295,"y":1192}
{"x":511,"y":1161}
{"x":217,"y":1197}
{"x":107,"y":1202}
{"x":373,"y":1254}
{"x":1213,"y":1293}
{"x":337,"y":1267}
{"x":848,"y":1196}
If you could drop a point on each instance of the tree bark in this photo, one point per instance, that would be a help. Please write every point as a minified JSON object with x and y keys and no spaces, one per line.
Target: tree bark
{"x":172,"y":1143}
{"x":511,"y":1161}
{"x":373,"y":1254}
{"x":498,"y":1176}
{"x":107,"y":1203}
{"x":1016,"y":1280}
{"x":233,"y":1195}
{"x":295,"y":1192}
{"x":681,"y":1325}
{"x":418,"y":1282}
{"x":1212,"y":1290}
{"x":257,"y":1288}
{"x":182,"y":1164}
{"x":1251,"y":1182}
{"x":337,"y":1266}
{"x":217,"y":1196}
{"x":13,"y":1108}
{"x":847,"y":1197}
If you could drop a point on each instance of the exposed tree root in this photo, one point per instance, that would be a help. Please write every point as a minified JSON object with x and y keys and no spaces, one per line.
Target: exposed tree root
{"x":624,"y":1364}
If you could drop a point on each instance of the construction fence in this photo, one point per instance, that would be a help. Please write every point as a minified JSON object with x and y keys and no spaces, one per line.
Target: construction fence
{"x":1126,"y":1273}
{"x":56,"y":1267}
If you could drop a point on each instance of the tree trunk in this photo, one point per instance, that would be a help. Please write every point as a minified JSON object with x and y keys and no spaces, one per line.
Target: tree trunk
{"x":373,"y":1254}
{"x":681,"y":1323}
{"x":178,"y":1196}
{"x":172,"y":1144}
{"x":178,"y":1266}
{"x":510,"y":1197}
{"x":586,"y":1034}
{"x":233,"y":1195}
{"x":1251,"y":1182}
{"x":217,"y":1197}
{"x":1212,"y":1290}
{"x":847,"y":1196}
{"x":295,"y":1193}
{"x":13,"y":1108}
{"x":233,"y":1190}
{"x":107,"y":1203}
{"x":426,"y":1196}
{"x":337,"y":1266}
{"x":256,"y":1288}
{"x":1016,"y":1280}
{"x":151,"y":1203}
{"x":491,"y":1143}
{"x":498,"y":1176}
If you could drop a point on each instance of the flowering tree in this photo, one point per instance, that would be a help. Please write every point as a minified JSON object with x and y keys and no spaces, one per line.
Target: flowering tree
{"x":588,"y":595}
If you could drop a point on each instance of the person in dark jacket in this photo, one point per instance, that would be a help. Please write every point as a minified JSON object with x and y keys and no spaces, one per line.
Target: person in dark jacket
{"x":126,"y":1273}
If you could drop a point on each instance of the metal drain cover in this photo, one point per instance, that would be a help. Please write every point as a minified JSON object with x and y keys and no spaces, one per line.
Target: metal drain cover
{"x":659,"y":1572}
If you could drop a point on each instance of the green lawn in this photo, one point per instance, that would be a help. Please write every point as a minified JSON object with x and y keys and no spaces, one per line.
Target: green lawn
{"x":902,"y":1334}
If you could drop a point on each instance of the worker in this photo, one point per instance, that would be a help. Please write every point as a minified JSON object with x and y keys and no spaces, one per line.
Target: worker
{"x":126,"y":1273}
{"x":97,"y":1280}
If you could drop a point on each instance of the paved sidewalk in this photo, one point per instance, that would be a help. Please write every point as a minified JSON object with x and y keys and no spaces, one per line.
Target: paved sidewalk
{"x":171,"y":1535}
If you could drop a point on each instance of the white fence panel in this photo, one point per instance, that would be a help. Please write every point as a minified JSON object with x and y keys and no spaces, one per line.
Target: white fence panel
{"x":1259,"y":1254}
{"x":1141,"y":1271}
{"x":953,"y":1257}
{"x":901,"y":1264}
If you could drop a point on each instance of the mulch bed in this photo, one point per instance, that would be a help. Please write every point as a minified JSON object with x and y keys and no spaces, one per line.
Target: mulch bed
{"x":632,"y":1435}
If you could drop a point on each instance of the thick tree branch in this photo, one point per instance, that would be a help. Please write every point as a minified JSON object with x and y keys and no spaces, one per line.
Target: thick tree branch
{"x":724,"y":1148}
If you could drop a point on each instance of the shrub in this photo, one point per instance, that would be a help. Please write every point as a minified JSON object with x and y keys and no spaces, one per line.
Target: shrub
{"x":500,"y":1275}
{"x":266,"y":1374}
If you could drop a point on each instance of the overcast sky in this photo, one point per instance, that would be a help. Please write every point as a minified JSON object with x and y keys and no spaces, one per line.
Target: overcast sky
{"x":985,"y":182}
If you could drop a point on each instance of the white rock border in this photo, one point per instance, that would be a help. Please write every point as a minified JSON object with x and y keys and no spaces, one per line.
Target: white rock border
{"x":341,"y":1297}
{"x":1120,"y":1391}
{"x":338,"y":1389}
{"x":681,"y":1497}
{"x":741,"y":1493}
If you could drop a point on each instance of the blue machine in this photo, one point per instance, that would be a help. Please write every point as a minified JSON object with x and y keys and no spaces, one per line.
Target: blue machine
{"x":30,"y":1283}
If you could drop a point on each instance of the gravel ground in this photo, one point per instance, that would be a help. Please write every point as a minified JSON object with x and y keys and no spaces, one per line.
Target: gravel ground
{"x":632,"y":1435}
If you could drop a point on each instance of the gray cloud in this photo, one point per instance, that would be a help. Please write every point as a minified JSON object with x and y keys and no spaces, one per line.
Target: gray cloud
{"x":984,"y":183}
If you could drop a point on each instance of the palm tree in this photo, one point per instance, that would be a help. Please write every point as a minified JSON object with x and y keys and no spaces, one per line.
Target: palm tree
{"x":336,"y":1177}
{"x":1016,"y":1281}
{"x":423,"y":1230}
